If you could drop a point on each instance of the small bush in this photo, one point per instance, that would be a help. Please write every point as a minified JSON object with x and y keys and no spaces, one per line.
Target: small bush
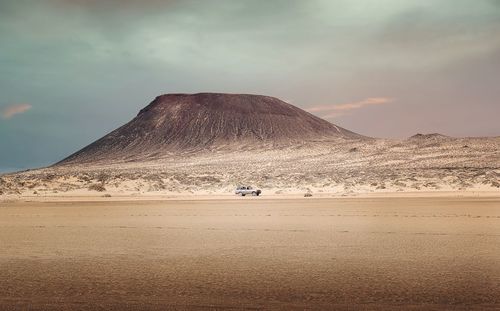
{"x":102,"y":177}
{"x":97,"y":187}
{"x":107,"y":195}
{"x":48,"y":177}
{"x":308,"y":195}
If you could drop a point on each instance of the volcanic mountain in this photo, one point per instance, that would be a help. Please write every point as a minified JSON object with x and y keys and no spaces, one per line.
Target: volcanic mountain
{"x":194,"y":122}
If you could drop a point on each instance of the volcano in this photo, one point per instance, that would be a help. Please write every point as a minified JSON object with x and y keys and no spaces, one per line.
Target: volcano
{"x":175,"y":123}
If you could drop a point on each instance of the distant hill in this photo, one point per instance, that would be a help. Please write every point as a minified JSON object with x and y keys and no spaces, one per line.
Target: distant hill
{"x":427,"y":136}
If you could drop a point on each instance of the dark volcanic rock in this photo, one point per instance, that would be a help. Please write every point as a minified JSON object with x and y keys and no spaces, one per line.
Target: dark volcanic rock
{"x":184,"y":122}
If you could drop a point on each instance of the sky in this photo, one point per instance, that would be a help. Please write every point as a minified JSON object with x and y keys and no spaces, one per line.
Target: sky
{"x":73,"y":70}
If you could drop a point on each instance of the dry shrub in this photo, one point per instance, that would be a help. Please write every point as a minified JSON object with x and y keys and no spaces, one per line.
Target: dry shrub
{"x":48,"y":177}
{"x":84,"y":178}
{"x":102,"y":177}
{"x":97,"y":187}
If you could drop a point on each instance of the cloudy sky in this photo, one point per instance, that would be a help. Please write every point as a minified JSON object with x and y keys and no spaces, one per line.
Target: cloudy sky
{"x":72,"y":70}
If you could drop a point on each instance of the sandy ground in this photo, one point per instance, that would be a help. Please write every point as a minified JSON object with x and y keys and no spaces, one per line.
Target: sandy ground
{"x":434,"y":253}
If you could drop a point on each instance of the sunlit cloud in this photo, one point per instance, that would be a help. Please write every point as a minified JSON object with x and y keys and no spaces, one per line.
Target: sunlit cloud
{"x":334,"y":114}
{"x":331,"y":111}
{"x":10,"y":111}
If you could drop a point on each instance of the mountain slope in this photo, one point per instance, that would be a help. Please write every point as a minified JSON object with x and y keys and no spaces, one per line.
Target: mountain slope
{"x":185,"y":122}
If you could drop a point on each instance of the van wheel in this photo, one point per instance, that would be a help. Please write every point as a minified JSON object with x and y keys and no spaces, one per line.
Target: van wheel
{"x":242,"y":194}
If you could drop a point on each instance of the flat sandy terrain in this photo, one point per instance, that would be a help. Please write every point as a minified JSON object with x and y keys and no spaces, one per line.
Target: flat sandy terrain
{"x":255,"y":253}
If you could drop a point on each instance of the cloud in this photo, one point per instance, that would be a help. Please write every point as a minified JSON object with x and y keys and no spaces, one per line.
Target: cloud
{"x":330,"y":111}
{"x":10,"y":111}
{"x":365,"y":102}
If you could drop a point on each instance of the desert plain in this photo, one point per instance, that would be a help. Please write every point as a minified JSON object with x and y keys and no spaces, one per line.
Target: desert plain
{"x":370,"y":253}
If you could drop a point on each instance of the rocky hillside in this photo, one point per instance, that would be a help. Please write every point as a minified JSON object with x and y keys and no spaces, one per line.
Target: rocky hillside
{"x":176,"y":123}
